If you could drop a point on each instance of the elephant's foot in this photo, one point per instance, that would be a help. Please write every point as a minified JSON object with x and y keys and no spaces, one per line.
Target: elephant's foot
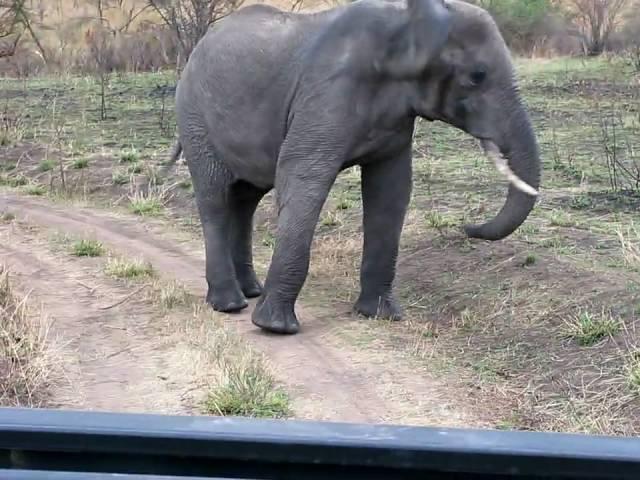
{"x":384,"y":307}
{"x":249,"y":284}
{"x":275,"y":317}
{"x":227,"y":300}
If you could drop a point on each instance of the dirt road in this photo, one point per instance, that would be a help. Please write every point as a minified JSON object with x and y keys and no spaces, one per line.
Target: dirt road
{"x":327,"y":378}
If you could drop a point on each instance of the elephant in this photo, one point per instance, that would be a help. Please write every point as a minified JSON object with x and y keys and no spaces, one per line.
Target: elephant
{"x":278,"y":100}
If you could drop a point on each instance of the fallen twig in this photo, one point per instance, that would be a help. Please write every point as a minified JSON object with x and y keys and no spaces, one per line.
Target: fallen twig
{"x":91,"y":289}
{"x":120,"y":302}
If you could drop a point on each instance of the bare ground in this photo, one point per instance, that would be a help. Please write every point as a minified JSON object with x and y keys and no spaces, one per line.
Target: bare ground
{"x":120,"y":363}
{"x":114,"y":357}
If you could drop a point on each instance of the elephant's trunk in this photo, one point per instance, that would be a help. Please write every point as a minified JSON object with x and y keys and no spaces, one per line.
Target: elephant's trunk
{"x":522,"y":168}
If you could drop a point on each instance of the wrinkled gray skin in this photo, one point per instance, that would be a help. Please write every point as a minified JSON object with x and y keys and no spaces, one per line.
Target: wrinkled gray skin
{"x":281,"y":100}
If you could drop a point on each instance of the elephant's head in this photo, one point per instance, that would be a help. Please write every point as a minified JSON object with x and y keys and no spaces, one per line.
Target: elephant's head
{"x":455,"y":57}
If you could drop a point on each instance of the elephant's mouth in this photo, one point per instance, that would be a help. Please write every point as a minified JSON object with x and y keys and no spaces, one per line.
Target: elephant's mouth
{"x":493,"y":153}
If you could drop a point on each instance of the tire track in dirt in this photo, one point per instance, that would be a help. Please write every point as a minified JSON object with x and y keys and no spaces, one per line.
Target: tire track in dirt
{"x":327,"y":380}
{"x":112,"y":359}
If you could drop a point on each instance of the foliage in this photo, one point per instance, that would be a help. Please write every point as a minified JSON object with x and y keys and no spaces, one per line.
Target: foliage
{"x":521,"y":23}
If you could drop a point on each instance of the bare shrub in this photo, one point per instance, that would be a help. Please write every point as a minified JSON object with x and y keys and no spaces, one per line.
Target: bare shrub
{"x":189,"y":20}
{"x":630,"y":37}
{"x":102,"y":55}
{"x":10,"y":31}
{"x":623,"y":162}
{"x":595,"y":21}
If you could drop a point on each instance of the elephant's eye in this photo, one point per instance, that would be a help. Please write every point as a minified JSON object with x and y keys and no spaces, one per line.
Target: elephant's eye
{"x":478,"y":77}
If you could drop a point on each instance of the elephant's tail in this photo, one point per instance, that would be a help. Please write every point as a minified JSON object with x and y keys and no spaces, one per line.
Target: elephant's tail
{"x":176,"y":151}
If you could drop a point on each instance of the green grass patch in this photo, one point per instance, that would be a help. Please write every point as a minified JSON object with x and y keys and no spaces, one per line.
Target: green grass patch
{"x":269,"y":240}
{"x":588,"y":328}
{"x":46,"y":165}
{"x":135,"y":168}
{"x":80,"y":163}
{"x":633,"y":370}
{"x":129,"y":156}
{"x":35,"y":189}
{"x":344,"y":204}
{"x":146,"y":204}
{"x":248,"y":390}
{"x":330,"y":219}
{"x":120,"y":177}
{"x":128,"y":269}
{"x":581,"y":202}
{"x":560,"y":218}
{"x":14,"y":180}
{"x":530,"y":259}
{"x":440,"y":221}
{"x":87,"y":248}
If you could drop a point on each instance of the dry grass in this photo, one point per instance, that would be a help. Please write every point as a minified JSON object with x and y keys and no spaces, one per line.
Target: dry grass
{"x":35,"y":189}
{"x":170,"y":294}
{"x":151,"y":202}
{"x":335,"y":263}
{"x":236,"y":379}
{"x":27,"y":364}
{"x":630,"y":246}
{"x":128,"y":269}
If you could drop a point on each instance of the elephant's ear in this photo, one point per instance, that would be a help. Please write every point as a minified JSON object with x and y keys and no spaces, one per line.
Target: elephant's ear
{"x":418,"y":39}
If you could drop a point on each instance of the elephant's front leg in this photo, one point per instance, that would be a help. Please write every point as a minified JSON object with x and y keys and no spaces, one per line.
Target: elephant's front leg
{"x":386,"y":190}
{"x":302,"y":190}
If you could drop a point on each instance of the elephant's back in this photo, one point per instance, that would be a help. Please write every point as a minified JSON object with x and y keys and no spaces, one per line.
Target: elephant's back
{"x":239,"y":81}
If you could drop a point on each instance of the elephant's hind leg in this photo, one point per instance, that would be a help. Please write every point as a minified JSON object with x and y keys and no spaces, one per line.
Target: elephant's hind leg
{"x":212,"y":184}
{"x":245,"y":199}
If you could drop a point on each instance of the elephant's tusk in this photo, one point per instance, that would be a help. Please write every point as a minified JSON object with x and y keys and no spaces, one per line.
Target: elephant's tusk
{"x":493,"y":152}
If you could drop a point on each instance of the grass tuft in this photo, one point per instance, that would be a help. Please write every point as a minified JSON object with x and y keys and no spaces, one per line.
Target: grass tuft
{"x":13,"y":180}
{"x":87,"y":248}
{"x":80,"y":163}
{"x":440,"y":221}
{"x":129,"y":156}
{"x":330,"y":219}
{"x":248,"y":390}
{"x":135,"y":168}
{"x":123,"y":268}
{"x":46,"y":165}
{"x":172,"y":294}
{"x":7,"y":217}
{"x":588,"y":328}
{"x":633,"y":370}
{"x":560,"y":218}
{"x":151,"y":203}
{"x":630,"y":246}
{"x":120,"y":177}
{"x":35,"y":189}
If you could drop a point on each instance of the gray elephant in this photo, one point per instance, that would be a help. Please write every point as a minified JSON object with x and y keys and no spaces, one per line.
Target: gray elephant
{"x":273,"y":99}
